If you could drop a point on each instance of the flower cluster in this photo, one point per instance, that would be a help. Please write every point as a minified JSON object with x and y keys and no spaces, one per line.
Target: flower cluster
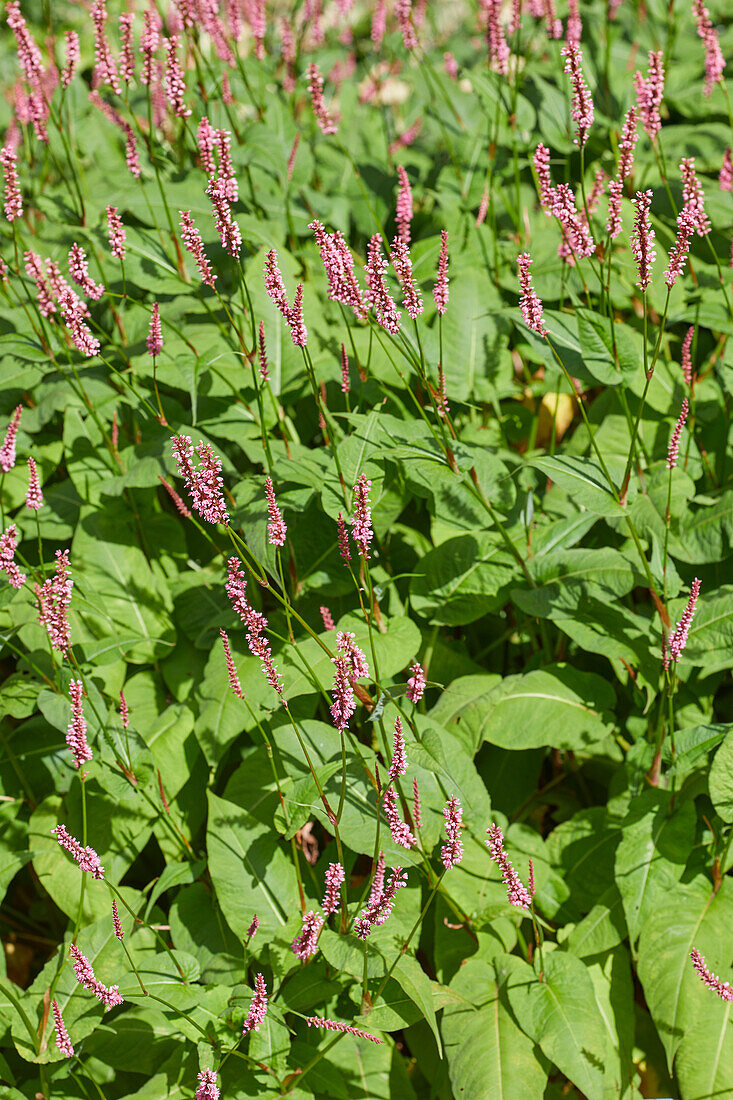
{"x":516,"y":893}
{"x":52,"y":600}
{"x":8,"y":565}
{"x":257,"y":1008}
{"x":76,"y":734}
{"x":86,"y":857}
{"x":305,"y":943}
{"x":204,"y":483}
{"x":381,"y":899}
{"x":335,"y":1025}
{"x":108,"y":995}
{"x":256,"y":625}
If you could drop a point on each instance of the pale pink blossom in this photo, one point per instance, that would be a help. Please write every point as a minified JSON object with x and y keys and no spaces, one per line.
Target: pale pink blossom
{"x":194,"y":245}
{"x":63,"y":1042}
{"x":402,"y":265}
{"x":79,"y":269}
{"x":361,"y":522}
{"x":305,"y":943}
{"x":204,"y":483}
{"x":581,"y":110}
{"x":403,"y":215}
{"x":334,"y":1025}
{"x":720,"y":988}
{"x":34,"y":496}
{"x":154,"y":342}
{"x":335,"y":878}
{"x":85,"y":857}
{"x":76,"y":734}
{"x":8,"y":565}
{"x":72,"y":58}
{"x":399,"y":756}
{"x":378,"y":296}
{"x":678,"y":637}
{"x":686,"y":355}
{"x":7,"y":450}
{"x":649,"y":94}
{"x":234,"y":683}
{"x":13,"y":199}
{"x":529,"y":303}
{"x":642,"y":239}
{"x":117,"y":235}
{"x":381,"y":902}
{"x":714,"y":60}
{"x":400,"y":830}
{"x":516,"y":893}
{"x":276,"y":529}
{"x":257,"y":1008}
{"x":416,"y":683}
{"x":207,"y":1088}
{"x":324,"y":118}
{"x":52,"y":600}
{"x":109,"y":996}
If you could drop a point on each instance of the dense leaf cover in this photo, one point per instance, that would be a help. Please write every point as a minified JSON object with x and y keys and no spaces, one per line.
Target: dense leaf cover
{"x":367,"y":518}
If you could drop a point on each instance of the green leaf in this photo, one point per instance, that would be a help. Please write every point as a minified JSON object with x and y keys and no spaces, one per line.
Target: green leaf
{"x":583,"y":480}
{"x":720,"y":779}
{"x":416,"y":984}
{"x":461,"y":580}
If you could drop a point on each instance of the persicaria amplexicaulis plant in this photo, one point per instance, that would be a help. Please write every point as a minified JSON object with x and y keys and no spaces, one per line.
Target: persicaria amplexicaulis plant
{"x":365,"y":550}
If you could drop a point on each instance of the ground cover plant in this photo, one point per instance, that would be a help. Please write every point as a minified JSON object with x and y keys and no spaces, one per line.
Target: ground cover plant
{"x":365,"y":538}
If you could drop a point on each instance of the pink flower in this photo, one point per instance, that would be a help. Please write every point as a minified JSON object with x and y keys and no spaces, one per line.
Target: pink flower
{"x":305,"y":943}
{"x":154,"y":342}
{"x":207,"y":1089}
{"x":686,"y":357}
{"x":721,"y":988}
{"x":226,"y":227}
{"x":381,"y":900}
{"x":399,"y":756}
{"x":440,"y":291}
{"x":149,"y":43}
{"x":680,"y":248}
{"x":8,"y":546}
{"x":403,"y":215}
{"x":344,"y":703}
{"x":298,"y":331}
{"x":649,"y":93}
{"x":116,"y":922}
{"x":325,"y":120}
{"x":529,"y":303}
{"x":73,"y":313}
{"x":72,"y":58}
{"x":175,"y":81}
{"x":345,"y":641}
{"x":105,"y":69}
{"x":452,"y":851}
{"x":335,"y":1025}
{"x":79,"y":268}
{"x":127,"y":60}
{"x":174,"y":497}
{"x":627,"y":143}
{"x":87,"y":858}
{"x":276,"y":529}
{"x":343,"y":539}
{"x":577,"y":240}
{"x":85,"y":976}
{"x":693,"y":197}
{"x":204,"y":484}
{"x":574,"y":31}
{"x":234,"y":683}
{"x":13,"y":198}
{"x":34,"y":496}
{"x":274,"y":284}
{"x":497,"y":43}
{"x":642,"y":239}
{"x":361,"y":523}
{"x":52,"y":600}
{"x":34,"y":271}
{"x":328,"y":623}
{"x":544,"y":179}
{"x":416,"y":812}
{"x":615,"y":195}
{"x":205,"y":139}
{"x":379,"y":23}
{"x":124,"y":711}
{"x":131,"y":155}
{"x":194,"y":245}
{"x":402,"y":264}
{"x":257,"y":1008}
{"x":253,"y":927}
{"x":725,"y":179}
{"x":516,"y":893}
{"x":378,"y":296}
{"x":335,"y":878}
{"x":223,"y":142}
{"x":416,"y":684}
{"x":339,"y":267}
{"x":76,"y":734}
{"x":63,"y":1042}
{"x":406,"y":138}
{"x":117,"y":235}
{"x":345,"y":381}
{"x":714,"y":60}
{"x":262,"y":354}
{"x":400,"y":830}
{"x":256,"y":624}
{"x":7,"y":451}
{"x":451,"y":65}
{"x":582,"y":106}
{"x":678,"y":637}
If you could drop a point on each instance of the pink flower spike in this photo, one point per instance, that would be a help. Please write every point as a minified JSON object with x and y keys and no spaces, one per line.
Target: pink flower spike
{"x":400,"y":830}
{"x":325,"y":120}
{"x":343,"y":539}
{"x":544,"y":179}
{"x":234,"y":682}
{"x":7,"y":451}
{"x":72,"y":58}
{"x":678,"y":637}
{"x":208,"y":1088}
{"x":79,"y":268}
{"x":305,"y":943}
{"x":378,"y":296}
{"x":124,"y":711}
{"x":175,"y":80}
{"x":127,"y":59}
{"x":529,"y":303}
{"x":686,"y":355}
{"x":452,"y":851}
{"x":627,"y":143}
{"x":680,"y":248}
{"x":642,"y":239}
{"x":714,"y":60}
{"x":116,"y":922}
{"x":496,"y":40}
{"x":204,"y":484}
{"x":530,"y":878}
{"x":154,"y":342}
{"x":86,"y":858}
{"x":516,"y":893}
{"x":615,"y":195}
{"x":298,"y":331}
{"x":262,"y":354}
{"x":274,"y":284}
{"x":361,"y":522}
{"x":725,"y":179}
{"x":440,"y":291}
{"x":52,"y":601}
{"x":63,"y":1042}
{"x":345,"y":382}
{"x":8,"y":546}
{"x":344,"y":703}
{"x":381,"y":900}
{"x":85,"y":976}
{"x":649,"y":94}
{"x":416,"y":683}
{"x":693,"y":197}
{"x":195,"y":246}
{"x":276,"y":529}
{"x":174,"y":497}
{"x":720,"y":988}
{"x":335,"y":1025}
{"x":34,"y":496}
{"x":253,"y":927}
{"x":117,"y":235}
{"x":345,"y":641}
{"x":328,"y":623}
{"x":257,"y":1008}
{"x":582,"y":106}
{"x":403,"y":215}
{"x":416,"y":812}
{"x":335,"y":878}
{"x":76,"y":734}
{"x":13,"y":198}
{"x":399,"y":756}
{"x":402,"y":265}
